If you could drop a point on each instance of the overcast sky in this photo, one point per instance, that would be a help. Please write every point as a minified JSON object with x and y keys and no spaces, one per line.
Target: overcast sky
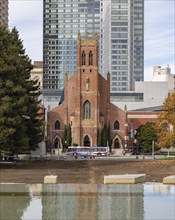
{"x":26,"y":16}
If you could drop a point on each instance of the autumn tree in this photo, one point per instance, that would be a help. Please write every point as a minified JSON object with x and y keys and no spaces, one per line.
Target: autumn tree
{"x":21,"y":124}
{"x":165,"y":125}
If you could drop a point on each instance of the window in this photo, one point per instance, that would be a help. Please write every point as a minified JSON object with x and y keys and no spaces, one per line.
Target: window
{"x":83,"y":58}
{"x":57,"y":125}
{"x":87,"y":110}
{"x":90,"y":58}
{"x":116,"y":125}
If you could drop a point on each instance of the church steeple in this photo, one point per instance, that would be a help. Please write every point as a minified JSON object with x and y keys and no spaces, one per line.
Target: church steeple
{"x":87,"y":53}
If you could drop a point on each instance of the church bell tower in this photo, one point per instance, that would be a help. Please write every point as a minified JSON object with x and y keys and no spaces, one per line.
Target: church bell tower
{"x":87,"y":95}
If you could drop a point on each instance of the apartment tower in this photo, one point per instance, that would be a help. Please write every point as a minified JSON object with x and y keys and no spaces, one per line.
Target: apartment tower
{"x":120,"y":28}
{"x":4,"y":12}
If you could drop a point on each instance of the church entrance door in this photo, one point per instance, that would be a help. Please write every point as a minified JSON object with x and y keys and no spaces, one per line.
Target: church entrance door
{"x":86,"y":141}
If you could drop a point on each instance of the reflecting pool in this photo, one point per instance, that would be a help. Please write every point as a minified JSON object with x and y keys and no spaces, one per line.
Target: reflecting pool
{"x":87,"y":202}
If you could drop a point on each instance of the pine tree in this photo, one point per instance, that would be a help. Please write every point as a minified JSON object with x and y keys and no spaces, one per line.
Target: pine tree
{"x":165,"y":124}
{"x":21,"y":124}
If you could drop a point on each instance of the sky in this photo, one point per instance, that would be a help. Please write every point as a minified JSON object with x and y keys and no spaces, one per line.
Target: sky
{"x":159,"y":32}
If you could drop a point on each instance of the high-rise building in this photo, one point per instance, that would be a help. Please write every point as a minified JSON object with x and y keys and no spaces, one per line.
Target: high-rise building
{"x":123,"y":42}
{"x":120,"y":28}
{"x":63,"y":19}
{"x":4,"y":12}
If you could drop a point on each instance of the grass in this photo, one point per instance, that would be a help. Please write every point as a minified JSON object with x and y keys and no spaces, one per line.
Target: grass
{"x":166,"y":158}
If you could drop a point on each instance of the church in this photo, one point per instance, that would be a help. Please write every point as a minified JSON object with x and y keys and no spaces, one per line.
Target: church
{"x":86,"y":110}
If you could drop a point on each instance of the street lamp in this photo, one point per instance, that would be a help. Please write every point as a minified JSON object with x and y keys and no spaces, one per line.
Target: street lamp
{"x":107,"y":147}
{"x":58,"y":146}
{"x":153,"y":150}
{"x":126,"y":128}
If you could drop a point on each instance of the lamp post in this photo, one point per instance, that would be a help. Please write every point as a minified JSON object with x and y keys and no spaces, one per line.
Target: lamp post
{"x":107,"y":147}
{"x":58,"y":146}
{"x":153,"y":150}
{"x":65,"y":144}
{"x":126,"y":129}
{"x":136,"y":148}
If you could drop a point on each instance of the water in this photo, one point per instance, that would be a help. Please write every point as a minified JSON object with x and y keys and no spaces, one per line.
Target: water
{"x":87,"y":202}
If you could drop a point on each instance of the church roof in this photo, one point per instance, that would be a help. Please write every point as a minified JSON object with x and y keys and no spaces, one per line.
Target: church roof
{"x":62,"y":98}
{"x":149,"y":109}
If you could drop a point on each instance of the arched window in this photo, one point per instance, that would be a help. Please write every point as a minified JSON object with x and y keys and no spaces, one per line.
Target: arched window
{"x":83,"y":58}
{"x":87,"y":110}
{"x":116,"y":125}
{"x":57,"y":125}
{"x":90,"y":58}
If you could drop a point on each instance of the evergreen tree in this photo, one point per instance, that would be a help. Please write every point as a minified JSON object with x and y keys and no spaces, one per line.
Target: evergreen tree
{"x":145,"y":135}
{"x":104,"y":135}
{"x":21,"y":124}
{"x":99,"y":137}
{"x":109,"y":135}
{"x":69,"y":136}
{"x":165,"y":124}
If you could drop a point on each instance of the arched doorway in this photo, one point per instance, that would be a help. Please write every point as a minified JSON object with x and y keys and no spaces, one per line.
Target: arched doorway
{"x":116,"y":144}
{"x":86,"y":141}
{"x":57,"y":143}
{"x":56,"y":146}
{"x":117,"y":147}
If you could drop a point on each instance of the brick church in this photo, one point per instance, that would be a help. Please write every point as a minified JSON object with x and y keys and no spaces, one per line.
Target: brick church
{"x":86,"y":107}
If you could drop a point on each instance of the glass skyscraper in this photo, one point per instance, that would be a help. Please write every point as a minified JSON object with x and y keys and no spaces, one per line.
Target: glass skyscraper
{"x":120,"y":28}
{"x":123,"y":42}
{"x":63,"y":19}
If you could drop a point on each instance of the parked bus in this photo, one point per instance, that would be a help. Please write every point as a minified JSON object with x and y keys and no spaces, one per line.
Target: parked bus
{"x":91,"y":152}
{"x":100,"y":151}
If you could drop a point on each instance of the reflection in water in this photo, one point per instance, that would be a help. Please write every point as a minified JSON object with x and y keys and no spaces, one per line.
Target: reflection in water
{"x":159,"y":202}
{"x":14,"y":199}
{"x":74,"y":201}
{"x":121,"y":202}
{"x":86,"y":202}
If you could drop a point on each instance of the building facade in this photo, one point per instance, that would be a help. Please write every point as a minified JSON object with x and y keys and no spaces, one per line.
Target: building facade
{"x":37,"y":73}
{"x":123,"y":43}
{"x":164,"y":75}
{"x":4,"y":12}
{"x":87,"y":109}
{"x":148,"y":94}
{"x":86,"y":106}
{"x":120,"y":27}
